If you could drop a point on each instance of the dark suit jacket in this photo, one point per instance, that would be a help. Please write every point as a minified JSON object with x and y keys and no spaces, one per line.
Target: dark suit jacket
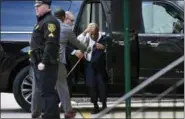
{"x":98,"y":58}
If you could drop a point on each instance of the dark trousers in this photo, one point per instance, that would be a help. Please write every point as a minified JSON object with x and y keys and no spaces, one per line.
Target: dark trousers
{"x":46,"y":81}
{"x":74,"y":76}
{"x":98,"y":91}
{"x":96,"y":83}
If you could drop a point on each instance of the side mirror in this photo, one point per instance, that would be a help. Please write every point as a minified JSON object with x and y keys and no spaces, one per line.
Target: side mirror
{"x":178,"y":27}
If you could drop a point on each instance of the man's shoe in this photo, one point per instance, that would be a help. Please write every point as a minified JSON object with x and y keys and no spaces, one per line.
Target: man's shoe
{"x":34,"y":116}
{"x":95,"y":111}
{"x":70,"y":115}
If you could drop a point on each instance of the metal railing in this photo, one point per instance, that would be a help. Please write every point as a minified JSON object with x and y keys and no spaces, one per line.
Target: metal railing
{"x":160,"y":96}
{"x":144,"y":84}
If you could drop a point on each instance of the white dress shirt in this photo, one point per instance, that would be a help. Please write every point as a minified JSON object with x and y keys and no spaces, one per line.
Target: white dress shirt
{"x":89,"y":42}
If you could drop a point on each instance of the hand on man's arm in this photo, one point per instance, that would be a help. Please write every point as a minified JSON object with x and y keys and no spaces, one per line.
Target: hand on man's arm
{"x":100,"y":46}
{"x":78,"y":53}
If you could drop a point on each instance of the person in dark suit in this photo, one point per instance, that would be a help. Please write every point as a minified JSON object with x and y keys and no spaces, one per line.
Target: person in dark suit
{"x":95,"y":65}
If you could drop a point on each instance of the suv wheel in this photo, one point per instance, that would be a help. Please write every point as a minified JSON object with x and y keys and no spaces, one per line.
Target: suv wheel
{"x":22,"y":88}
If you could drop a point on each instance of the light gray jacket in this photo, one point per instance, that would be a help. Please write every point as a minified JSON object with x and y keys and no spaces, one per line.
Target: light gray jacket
{"x":67,"y":35}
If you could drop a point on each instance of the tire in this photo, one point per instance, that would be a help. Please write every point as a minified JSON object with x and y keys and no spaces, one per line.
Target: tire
{"x":21,"y":82}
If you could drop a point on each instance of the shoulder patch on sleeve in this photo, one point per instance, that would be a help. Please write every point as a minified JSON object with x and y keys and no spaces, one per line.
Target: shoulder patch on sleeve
{"x":51,"y":27}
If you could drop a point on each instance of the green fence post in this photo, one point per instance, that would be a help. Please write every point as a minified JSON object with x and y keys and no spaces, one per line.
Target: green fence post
{"x":127,"y":55}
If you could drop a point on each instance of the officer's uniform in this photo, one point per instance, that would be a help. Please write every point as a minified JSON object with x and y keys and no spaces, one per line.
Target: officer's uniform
{"x":44,"y":49}
{"x":66,"y":35}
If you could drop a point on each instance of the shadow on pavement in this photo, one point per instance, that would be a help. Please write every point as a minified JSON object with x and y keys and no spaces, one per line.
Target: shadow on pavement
{"x":13,"y":111}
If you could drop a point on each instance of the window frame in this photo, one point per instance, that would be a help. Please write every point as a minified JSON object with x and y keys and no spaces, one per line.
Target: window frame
{"x":170,"y":3}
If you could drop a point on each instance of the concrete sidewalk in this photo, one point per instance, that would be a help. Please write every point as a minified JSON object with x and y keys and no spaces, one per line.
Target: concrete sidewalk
{"x":10,"y":109}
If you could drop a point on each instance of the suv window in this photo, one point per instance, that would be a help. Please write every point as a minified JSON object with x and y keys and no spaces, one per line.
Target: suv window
{"x":160,"y":18}
{"x":89,"y":14}
{"x":20,"y":15}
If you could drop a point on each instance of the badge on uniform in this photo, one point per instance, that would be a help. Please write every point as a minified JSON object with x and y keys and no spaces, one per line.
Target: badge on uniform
{"x":36,"y":27}
{"x":51,"y":28}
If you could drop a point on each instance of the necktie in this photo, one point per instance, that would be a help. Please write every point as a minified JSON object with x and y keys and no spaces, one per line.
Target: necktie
{"x":87,"y":41}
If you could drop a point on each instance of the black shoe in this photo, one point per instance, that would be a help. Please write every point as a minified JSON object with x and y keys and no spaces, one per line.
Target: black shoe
{"x":34,"y":116}
{"x":104,"y":105}
{"x":103,"y":109}
{"x":95,"y":111}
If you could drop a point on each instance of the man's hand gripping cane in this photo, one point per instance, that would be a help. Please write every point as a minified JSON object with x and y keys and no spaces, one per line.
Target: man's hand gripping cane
{"x":80,"y":55}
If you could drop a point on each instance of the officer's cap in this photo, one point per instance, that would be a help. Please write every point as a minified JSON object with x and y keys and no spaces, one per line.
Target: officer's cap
{"x":59,"y":12}
{"x":39,"y":2}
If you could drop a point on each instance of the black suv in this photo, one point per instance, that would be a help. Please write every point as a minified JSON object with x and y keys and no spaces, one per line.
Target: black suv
{"x":158,"y":41}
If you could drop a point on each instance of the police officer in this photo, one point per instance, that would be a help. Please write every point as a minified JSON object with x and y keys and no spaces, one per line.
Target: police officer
{"x":44,"y":57}
{"x":66,"y":35}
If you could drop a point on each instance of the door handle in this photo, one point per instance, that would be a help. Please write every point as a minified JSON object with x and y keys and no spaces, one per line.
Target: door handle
{"x":118,"y":42}
{"x":153,"y":44}
{"x":121,"y":43}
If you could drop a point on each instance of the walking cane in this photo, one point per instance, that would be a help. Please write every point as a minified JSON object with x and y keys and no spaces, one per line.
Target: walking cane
{"x":88,"y":50}
{"x":74,"y":66}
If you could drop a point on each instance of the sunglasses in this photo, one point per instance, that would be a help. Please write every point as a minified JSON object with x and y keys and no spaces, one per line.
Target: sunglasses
{"x":72,"y":20}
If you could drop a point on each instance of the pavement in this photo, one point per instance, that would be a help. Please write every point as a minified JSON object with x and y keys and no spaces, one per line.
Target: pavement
{"x":10,"y":109}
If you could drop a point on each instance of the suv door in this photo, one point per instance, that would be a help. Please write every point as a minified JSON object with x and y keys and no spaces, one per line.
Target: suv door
{"x":162,"y":41}
{"x":104,"y":13}
{"x":93,"y":11}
